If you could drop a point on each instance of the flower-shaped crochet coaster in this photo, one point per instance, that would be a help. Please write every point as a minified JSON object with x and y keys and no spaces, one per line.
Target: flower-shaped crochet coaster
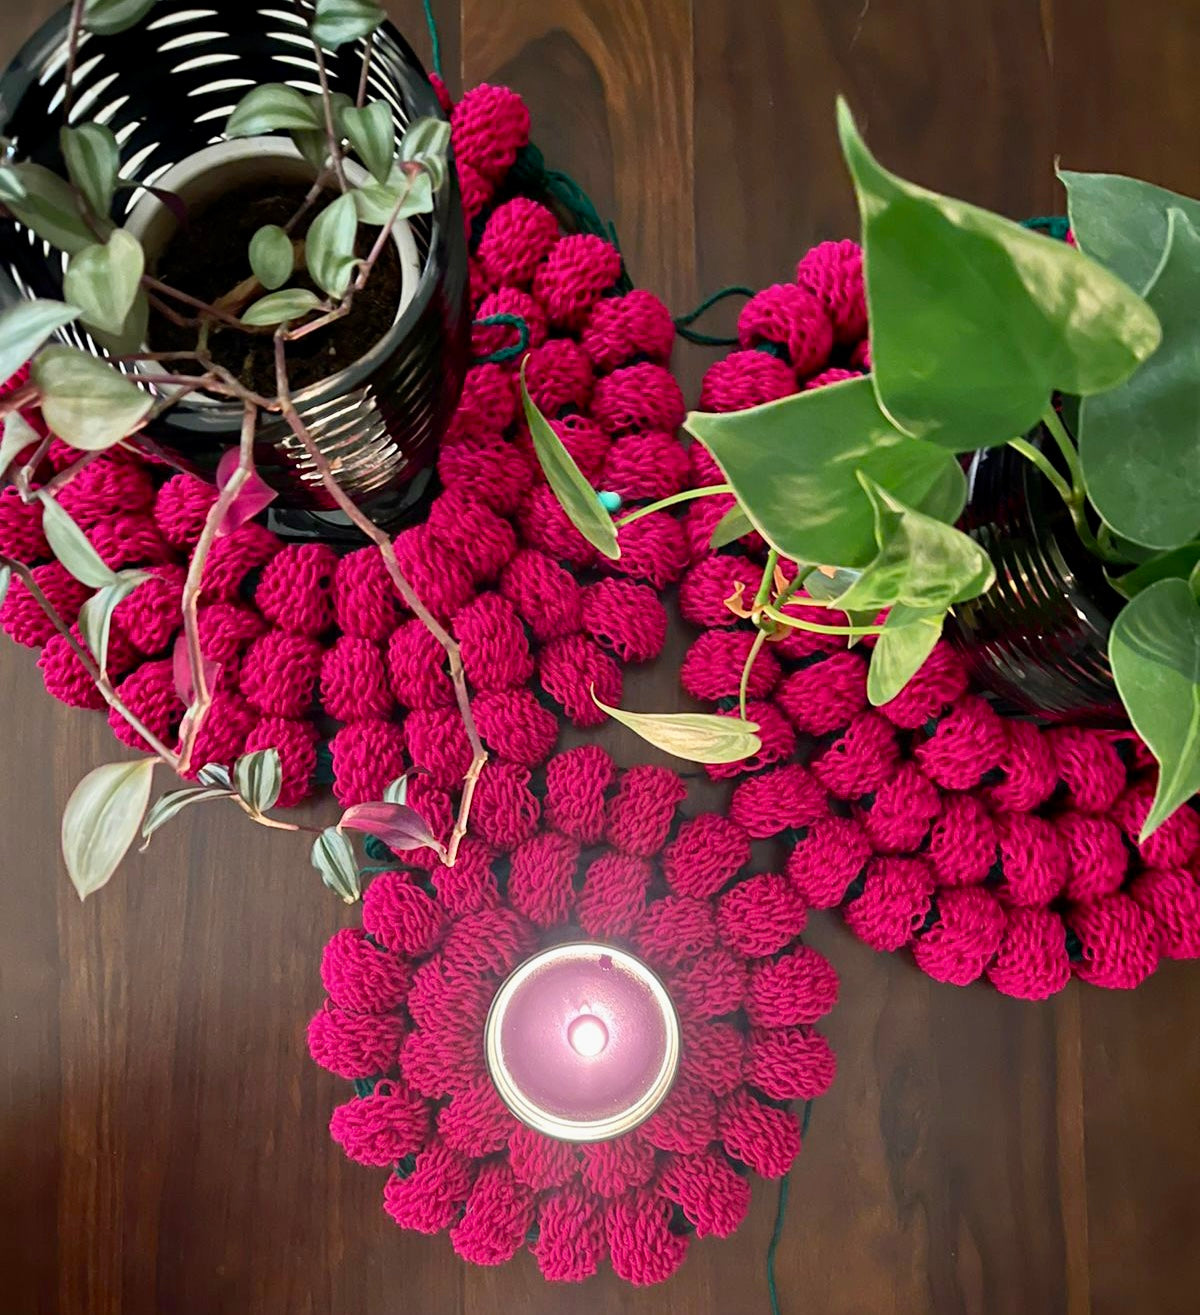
{"x":306,"y":638}
{"x":988,"y":846}
{"x":607,"y":856}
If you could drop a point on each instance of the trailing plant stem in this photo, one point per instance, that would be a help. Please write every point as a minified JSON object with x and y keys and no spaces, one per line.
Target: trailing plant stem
{"x":817,"y":629}
{"x":74,"y":28}
{"x":331,"y":133}
{"x":686,"y":496}
{"x":449,"y":851}
{"x":744,"y":684}
{"x":201,"y":694}
{"x":25,"y":574}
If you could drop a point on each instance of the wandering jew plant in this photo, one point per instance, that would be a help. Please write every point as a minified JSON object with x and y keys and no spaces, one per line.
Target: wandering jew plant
{"x":292,"y":287}
{"x":977,"y":326}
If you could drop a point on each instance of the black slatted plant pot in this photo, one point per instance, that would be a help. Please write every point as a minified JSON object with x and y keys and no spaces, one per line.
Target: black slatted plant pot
{"x":1038,"y":639}
{"x":166,"y":88}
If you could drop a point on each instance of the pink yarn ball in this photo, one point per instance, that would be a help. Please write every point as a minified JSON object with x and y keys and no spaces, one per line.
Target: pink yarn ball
{"x":295,"y":592}
{"x":21,"y":534}
{"x":296,"y":744}
{"x":514,"y":725}
{"x":149,"y":693}
{"x":151,"y":615}
{"x":517,"y":237}
{"x":232,"y":557}
{"x":545,"y":594}
{"x":441,"y":582}
{"x":489,"y":125}
{"x":576,"y":784}
{"x":22,"y":616}
{"x":587,"y":443}
{"x":712,"y":668}
{"x":65,"y":676}
{"x":742,"y":380}
{"x":365,"y":602}
{"x":833,"y":273}
{"x":495,"y":652}
{"x":793,"y":1063}
{"x":635,"y":325}
{"x":706,"y":586}
{"x":573,"y":276}
{"x":367,"y":757}
{"x":381,"y":1128}
{"x":506,"y":809}
{"x":642,"y":810}
{"x":1031,"y":963}
{"x":352,"y":1045}
{"x":626,"y":619}
{"x":786,"y":316}
{"x":653,"y":549}
{"x":798,"y":987}
{"x":105,"y":489}
{"x":637,"y":398}
{"x":181,"y":507}
{"x":487,"y":339}
{"x":280,"y":672}
{"x":558,"y":375}
{"x":827,"y":860}
{"x":496,"y":473}
{"x":354,"y":680}
{"x":781,"y":799}
{"x":960,"y":945}
{"x":224,"y":731}
{"x":568,"y":670}
{"x":128,"y":540}
{"x":469,"y":531}
{"x":417,"y":668}
{"x":645,"y":467}
{"x":438,"y":746}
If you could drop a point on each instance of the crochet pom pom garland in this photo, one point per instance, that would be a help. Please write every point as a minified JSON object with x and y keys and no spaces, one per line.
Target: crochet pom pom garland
{"x":408,"y":997}
{"x":302,"y":635}
{"x":990,"y":848}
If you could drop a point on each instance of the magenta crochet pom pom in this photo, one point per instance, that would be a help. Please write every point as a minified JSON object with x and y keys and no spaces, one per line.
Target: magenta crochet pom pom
{"x":426,"y":1106}
{"x":517,"y":237}
{"x":620,"y":329}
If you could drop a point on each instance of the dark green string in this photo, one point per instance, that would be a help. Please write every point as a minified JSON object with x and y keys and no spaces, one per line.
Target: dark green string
{"x":530,"y":177}
{"x":434,"y":42}
{"x":780,"y":1217}
{"x":502,"y":354}
{"x":1055,"y":226}
{"x":683,"y":322}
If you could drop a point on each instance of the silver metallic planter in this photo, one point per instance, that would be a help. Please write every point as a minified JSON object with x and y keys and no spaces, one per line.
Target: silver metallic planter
{"x":165,"y":88}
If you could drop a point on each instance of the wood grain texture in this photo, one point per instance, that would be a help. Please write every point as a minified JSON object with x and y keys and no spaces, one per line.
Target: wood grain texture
{"x":163,"y":1148}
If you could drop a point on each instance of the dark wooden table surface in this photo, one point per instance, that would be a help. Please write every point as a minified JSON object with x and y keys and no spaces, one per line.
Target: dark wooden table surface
{"x":162,"y":1131}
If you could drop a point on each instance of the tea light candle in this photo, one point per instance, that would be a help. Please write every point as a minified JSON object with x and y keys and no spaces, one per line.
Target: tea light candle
{"x":582,"y":1042}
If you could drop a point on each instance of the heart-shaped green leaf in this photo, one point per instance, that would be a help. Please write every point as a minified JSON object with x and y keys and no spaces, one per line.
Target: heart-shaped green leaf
{"x":276,"y":307}
{"x":975,"y":320}
{"x":700,"y":737}
{"x":1140,"y":443}
{"x":11,"y":186}
{"x":1154,"y":648}
{"x":95,"y":616}
{"x":72,"y":547}
{"x":258,"y":778}
{"x":793,"y":465}
{"x":1178,"y":564}
{"x":567,"y":482}
{"x":85,"y":401}
{"x":101,"y":819}
{"x":19,"y":434}
{"x":373,"y":135}
{"x":106,"y":17}
{"x":333,"y":857}
{"x":93,"y":161}
{"x":339,"y":21}
{"x":51,"y":209}
{"x":427,"y":143}
{"x":908,"y":637}
{"x":402,"y":195}
{"x":272,"y":256}
{"x":1122,"y":222}
{"x":169,"y":805}
{"x":730,"y":527}
{"x":103,"y":280}
{"x":24,"y":326}
{"x":270,"y":107}
{"x":329,"y":247}
{"x":922,"y":563}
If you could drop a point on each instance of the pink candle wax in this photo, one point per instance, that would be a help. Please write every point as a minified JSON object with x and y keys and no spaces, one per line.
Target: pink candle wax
{"x":582,"y":1042}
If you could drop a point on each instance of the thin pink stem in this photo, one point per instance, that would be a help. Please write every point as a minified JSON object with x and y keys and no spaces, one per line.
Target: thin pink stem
{"x":202,"y":696}
{"x":102,"y":684}
{"x":345,"y":503}
{"x":74,"y":27}
{"x":331,"y":133}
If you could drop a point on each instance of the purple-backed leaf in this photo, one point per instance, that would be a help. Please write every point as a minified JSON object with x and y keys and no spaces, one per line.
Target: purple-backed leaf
{"x":254,"y":496}
{"x":182,"y":670}
{"x":399,"y":826}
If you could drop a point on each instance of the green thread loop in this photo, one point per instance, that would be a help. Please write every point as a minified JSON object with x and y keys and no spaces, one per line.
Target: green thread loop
{"x":683,"y":322}
{"x":780,"y":1217}
{"x":1055,"y":226}
{"x":434,"y":41}
{"x":502,"y":354}
{"x":529,"y":176}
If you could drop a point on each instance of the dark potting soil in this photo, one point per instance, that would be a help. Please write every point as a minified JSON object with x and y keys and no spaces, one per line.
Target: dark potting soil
{"x":210,"y":257}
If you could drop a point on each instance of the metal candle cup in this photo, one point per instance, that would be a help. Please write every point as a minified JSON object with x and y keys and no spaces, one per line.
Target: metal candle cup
{"x":582,"y":1042}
